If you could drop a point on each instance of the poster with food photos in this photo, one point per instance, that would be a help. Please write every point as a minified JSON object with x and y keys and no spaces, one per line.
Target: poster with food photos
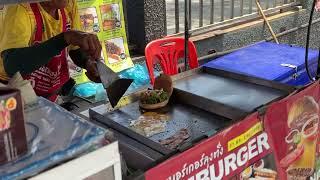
{"x":105,"y":18}
{"x":293,"y":124}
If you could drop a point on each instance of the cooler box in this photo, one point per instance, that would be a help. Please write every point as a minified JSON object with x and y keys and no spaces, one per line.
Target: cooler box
{"x":276,"y":62}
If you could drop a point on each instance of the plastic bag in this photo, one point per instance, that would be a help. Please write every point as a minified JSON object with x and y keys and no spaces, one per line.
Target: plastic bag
{"x":87,"y":89}
{"x":139,"y":74}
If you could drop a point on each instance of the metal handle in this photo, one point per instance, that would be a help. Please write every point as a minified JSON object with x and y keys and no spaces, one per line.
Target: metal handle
{"x":295,"y":75}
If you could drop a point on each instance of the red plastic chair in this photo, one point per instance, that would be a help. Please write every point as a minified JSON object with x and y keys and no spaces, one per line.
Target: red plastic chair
{"x":167,"y":52}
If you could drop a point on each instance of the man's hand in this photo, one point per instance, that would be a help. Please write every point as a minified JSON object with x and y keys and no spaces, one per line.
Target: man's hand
{"x":92,"y":71}
{"x":88,"y":42}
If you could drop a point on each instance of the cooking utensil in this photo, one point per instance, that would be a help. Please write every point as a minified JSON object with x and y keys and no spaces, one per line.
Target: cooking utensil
{"x":114,"y":86}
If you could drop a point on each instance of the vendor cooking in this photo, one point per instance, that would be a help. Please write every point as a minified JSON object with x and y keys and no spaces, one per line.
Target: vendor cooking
{"x":34,"y":39}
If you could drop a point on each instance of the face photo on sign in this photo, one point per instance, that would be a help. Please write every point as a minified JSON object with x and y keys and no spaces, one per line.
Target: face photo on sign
{"x":110,"y":15}
{"x":89,"y":20}
{"x":115,"y":50}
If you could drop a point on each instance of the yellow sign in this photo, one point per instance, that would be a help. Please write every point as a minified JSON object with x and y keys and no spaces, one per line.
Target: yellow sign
{"x":243,"y":138}
{"x":106,"y":19}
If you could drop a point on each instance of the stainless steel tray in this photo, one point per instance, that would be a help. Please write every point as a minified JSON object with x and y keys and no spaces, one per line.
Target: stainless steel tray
{"x":225,"y":93}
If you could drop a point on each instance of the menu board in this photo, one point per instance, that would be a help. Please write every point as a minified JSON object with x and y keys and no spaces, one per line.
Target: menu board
{"x":106,"y":19}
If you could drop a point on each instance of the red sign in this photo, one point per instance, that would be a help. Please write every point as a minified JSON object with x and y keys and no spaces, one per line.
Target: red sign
{"x":241,"y":151}
{"x":293,"y":125}
{"x":284,"y":145}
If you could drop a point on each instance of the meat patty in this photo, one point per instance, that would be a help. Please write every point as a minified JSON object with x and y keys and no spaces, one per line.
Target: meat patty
{"x":177,"y":139}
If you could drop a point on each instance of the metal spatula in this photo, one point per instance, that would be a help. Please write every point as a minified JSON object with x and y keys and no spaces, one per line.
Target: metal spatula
{"x":114,"y":86}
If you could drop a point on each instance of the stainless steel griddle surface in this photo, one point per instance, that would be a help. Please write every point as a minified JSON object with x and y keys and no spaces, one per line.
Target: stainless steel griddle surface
{"x":197,"y":121}
{"x":230,"y":92}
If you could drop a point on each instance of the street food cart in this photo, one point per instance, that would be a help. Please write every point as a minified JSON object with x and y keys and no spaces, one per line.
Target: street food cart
{"x":239,"y":127}
{"x":219,"y":124}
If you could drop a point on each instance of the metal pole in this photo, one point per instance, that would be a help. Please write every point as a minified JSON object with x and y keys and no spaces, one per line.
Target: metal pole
{"x":201,"y":13}
{"x":232,"y":9}
{"x":176,"y":11}
{"x":186,"y":32}
{"x":189,"y":14}
{"x":222,"y":10}
{"x":241,"y":7}
{"x":211,"y":11}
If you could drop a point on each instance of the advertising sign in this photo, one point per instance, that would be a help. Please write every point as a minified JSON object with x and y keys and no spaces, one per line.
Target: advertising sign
{"x":106,"y":19}
{"x":242,"y":151}
{"x":281,"y":144}
{"x":293,"y":125}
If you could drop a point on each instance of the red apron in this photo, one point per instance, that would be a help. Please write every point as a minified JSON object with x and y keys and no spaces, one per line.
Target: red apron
{"x":52,"y":76}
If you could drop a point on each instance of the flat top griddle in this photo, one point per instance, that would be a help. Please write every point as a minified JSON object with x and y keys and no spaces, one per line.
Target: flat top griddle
{"x":227,"y":94}
{"x":230,"y":92}
{"x":203,"y":101}
{"x":197,"y":121}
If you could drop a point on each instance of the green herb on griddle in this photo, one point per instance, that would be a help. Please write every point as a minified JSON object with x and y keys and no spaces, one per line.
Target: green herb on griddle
{"x":154,"y":96}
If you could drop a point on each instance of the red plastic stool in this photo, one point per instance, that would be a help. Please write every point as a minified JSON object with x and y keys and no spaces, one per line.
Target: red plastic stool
{"x":167,"y":52}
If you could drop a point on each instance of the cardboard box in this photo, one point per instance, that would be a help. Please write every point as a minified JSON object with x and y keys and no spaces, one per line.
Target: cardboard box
{"x":13,"y":141}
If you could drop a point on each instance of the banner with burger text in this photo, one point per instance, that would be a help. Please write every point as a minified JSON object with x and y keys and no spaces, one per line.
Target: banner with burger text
{"x":281,"y":144}
{"x":242,"y":151}
{"x":106,"y":19}
{"x":293,"y":125}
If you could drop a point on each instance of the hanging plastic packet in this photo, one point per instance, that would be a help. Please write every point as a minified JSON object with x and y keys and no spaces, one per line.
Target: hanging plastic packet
{"x":88,"y":89}
{"x":101,"y":94}
{"x":138,"y":73}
